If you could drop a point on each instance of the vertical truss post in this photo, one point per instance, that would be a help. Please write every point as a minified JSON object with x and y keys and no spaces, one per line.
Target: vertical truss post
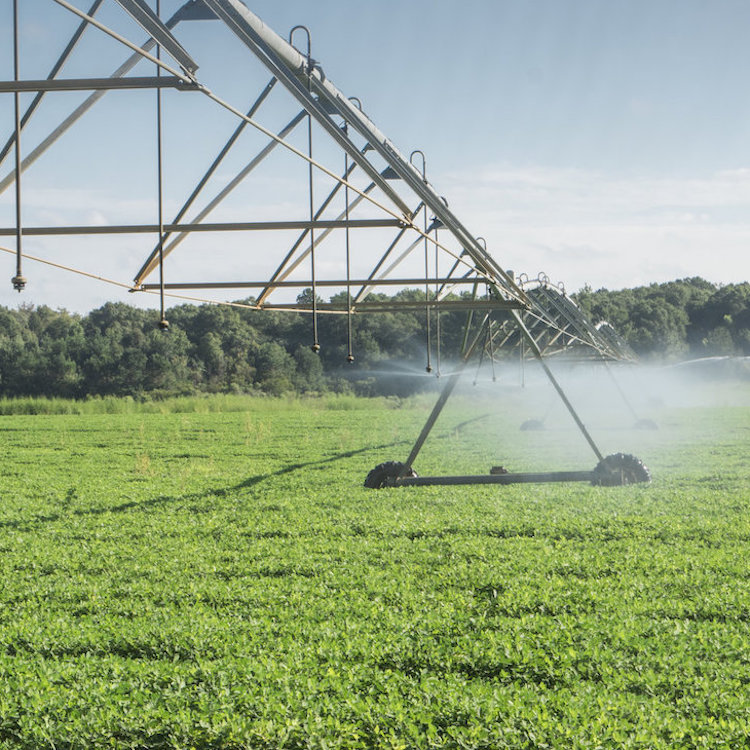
{"x":18,"y":281}
{"x":163,"y":322}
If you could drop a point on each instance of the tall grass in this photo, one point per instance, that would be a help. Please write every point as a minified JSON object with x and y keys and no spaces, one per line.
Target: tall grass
{"x":201,"y":404}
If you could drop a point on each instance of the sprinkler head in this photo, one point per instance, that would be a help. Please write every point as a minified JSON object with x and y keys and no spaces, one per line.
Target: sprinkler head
{"x":19,"y":282}
{"x":428,"y":368}
{"x":315,"y":347}
{"x":350,"y":358}
{"x":164,"y":324}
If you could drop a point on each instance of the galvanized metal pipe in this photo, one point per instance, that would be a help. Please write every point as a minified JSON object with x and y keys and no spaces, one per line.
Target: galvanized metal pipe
{"x":152,"y":25}
{"x":286,"y":64}
{"x":392,"y":306}
{"x":291,"y":66}
{"x":118,"y":37}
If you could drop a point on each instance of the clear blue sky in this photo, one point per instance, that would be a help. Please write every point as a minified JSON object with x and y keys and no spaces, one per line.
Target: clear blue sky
{"x":602,"y":142}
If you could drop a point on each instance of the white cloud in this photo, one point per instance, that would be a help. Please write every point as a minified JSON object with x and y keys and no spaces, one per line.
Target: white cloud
{"x":584,"y":227}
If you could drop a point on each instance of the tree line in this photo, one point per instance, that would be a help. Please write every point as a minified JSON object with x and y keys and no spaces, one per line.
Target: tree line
{"x":120,"y":350}
{"x":682,"y":319}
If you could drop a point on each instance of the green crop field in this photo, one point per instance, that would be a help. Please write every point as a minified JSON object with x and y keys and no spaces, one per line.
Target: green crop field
{"x":212,"y":574}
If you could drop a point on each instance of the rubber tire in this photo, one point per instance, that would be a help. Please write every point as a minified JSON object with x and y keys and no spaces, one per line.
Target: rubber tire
{"x":382,"y":475}
{"x":619,"y":469}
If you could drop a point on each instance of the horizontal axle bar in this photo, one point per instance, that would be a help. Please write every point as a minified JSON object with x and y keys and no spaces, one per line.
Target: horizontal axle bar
{"x":528,"y":478}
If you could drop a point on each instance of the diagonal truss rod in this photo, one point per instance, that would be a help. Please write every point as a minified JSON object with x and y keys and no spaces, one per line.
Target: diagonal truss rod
{"x":165,"y":39}
{"x":360,"y":295}
{"x":279,"y":273}
{"x":89,"y":102}
{"x":355,"y":189}
{"x":258,"y":159}
{"x":539,"y":325}
{"x":206,"y":177}
{"x":56,"y":68}
{"x":540,"y":318}
{"x":571,"y":312}
{"x":392,"y":267}
{"x":570,"y":317}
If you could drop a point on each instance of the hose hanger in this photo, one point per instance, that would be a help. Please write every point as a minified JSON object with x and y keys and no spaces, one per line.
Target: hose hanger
{"x":436,"y":223}
{"x":349,"y":353}
{"x":482,"y":351}
{"x":491,"y":338}
{"x":311,"y":187}
{"x":18,"y":281}
{"x":423,"y":170}
{"x":163,"y":322}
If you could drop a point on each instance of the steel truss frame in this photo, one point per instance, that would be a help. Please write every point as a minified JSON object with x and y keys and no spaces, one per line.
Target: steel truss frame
{"x":376,"y":176}
{"x":558,"y":327}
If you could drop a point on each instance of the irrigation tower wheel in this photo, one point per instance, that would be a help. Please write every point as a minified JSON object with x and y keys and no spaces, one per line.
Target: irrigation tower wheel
{"x":386,"y":473}
{"x":618,"y":469}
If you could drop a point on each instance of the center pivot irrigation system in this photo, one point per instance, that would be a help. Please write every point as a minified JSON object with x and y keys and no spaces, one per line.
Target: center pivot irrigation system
{"x":353,"y":216}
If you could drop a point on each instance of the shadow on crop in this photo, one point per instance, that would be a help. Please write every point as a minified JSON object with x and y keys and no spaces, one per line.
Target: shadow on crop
{"x":291,"y":468}
{"x":162,"y":500}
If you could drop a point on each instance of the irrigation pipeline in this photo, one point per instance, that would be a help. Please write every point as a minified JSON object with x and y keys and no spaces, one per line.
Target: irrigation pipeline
{"x":191,"y":82}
